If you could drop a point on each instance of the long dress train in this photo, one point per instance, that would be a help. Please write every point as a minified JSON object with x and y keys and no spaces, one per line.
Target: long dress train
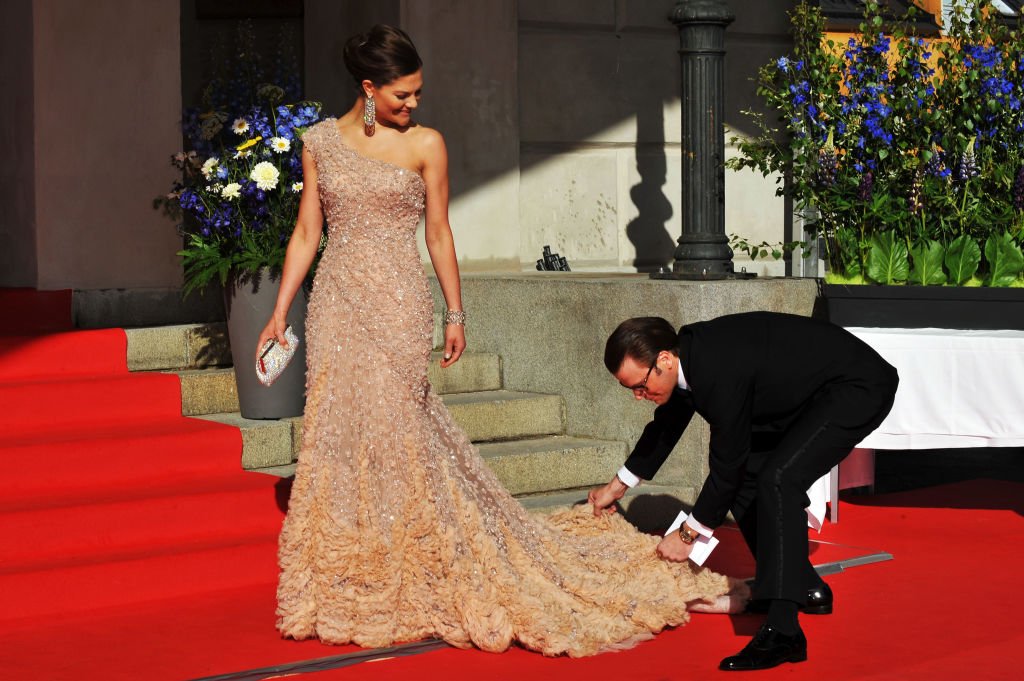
{"x":396,"y":530}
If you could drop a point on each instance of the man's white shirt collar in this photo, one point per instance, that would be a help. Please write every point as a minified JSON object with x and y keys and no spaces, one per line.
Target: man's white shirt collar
{"x":681,"y":381}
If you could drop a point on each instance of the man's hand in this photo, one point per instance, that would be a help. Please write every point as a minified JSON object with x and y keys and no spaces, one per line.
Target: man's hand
{"x":604,"y":498}
{"x":673,"y":548}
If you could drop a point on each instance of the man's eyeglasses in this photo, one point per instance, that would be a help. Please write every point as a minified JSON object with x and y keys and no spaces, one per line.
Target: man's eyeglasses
{"x":640,"y":389}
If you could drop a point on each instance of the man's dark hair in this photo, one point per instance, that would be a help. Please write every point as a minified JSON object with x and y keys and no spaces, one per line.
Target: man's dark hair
{"x":642,"y":338}
{"x":382,"y":55}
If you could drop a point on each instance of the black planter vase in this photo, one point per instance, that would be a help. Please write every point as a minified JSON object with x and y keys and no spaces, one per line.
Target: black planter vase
{"x":249,"y":301}
{"x":909,"y":307}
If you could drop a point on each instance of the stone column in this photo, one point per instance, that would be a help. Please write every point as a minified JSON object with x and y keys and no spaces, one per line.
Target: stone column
{"x":703,"y":251}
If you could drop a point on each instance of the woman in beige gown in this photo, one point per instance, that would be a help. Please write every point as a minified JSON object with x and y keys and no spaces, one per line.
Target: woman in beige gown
{"x":396,"y":530}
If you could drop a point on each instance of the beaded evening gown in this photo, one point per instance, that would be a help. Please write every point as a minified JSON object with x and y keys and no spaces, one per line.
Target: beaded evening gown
{"x":396,"y":529}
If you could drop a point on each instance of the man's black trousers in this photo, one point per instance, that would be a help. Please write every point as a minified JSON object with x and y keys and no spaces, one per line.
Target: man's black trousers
{"x":770,"y":505}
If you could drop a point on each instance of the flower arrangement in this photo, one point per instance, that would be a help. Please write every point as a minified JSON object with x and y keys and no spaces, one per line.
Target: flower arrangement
{"x":242,"y":175}
{"x":907,"y":153}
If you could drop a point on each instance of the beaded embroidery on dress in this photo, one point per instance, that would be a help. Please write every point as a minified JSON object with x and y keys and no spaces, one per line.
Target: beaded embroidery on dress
{"x":396,"y":529}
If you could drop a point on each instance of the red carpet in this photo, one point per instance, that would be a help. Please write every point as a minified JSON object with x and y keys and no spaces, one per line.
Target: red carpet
{"x":112,"y":496}
{"x":112,"y":499}
{"x":136,"y":549}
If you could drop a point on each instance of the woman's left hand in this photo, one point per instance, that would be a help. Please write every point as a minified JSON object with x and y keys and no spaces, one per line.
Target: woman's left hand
{"x":454,"y":344}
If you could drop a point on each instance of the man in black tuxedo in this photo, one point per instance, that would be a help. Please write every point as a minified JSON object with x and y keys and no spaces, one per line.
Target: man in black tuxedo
{"x":787,"y":398}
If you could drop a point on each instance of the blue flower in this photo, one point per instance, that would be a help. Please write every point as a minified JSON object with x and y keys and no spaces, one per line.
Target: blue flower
{"x":783,"y":64}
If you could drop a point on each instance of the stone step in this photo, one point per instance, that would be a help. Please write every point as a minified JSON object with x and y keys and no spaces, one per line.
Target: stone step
{"x":540,"y":465}
{"x":474,"y":372}
{"x":181,"y":346}
{"x":484,"y":416}
{"x":212,"y":390}
{"x":553,"y":463}
{"x":202,"y":346}
{"x":207,"y":391}
{"x":491,"y":415}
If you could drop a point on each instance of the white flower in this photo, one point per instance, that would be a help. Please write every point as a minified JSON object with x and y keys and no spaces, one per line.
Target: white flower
{"x":296,"y":187}
{"x":209,"y":165}
{"x":280,"y":144}
{"x":240,"y":126}
{"x":243,"y":154}
{"x":231,"y":191}
{"x":265,"y":175}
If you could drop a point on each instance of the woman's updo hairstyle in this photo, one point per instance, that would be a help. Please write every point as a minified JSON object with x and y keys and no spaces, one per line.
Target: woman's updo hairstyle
{"x":381,"y":55}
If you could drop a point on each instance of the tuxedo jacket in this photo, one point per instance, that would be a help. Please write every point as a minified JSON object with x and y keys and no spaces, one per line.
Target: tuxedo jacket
{"x":756,"y":372}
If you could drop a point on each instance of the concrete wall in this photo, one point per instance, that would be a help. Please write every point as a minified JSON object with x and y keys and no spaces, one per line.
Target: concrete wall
{"x":92,"y":94}
{"x":601,"y":123}
{"x":327,"y":24}
{"x":17,"y":177}
{"x":107,"y":103}
{"x":599,"y":82}
{"x":550,"y":330}
{"x":759,"y":35}
{"x":471,"y":95}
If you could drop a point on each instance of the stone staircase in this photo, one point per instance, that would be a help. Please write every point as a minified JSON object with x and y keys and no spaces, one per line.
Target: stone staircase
{"x":521,"y":435}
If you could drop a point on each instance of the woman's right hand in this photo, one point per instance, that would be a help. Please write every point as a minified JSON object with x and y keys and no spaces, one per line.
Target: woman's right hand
{"x":274,"y":329}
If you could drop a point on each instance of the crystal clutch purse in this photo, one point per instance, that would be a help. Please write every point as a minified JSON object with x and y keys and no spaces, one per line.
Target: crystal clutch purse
{"x":274,"y":357}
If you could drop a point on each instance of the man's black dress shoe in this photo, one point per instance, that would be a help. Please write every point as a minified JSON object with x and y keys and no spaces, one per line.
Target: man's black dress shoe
{"x":819,"y":602}
{"x":769,"y":648}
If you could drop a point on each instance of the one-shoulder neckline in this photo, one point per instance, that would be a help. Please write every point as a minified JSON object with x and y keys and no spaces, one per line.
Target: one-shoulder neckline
{"x":333,"y":122}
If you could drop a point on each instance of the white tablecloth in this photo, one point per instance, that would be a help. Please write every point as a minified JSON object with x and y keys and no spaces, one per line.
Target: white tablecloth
{"x":958,"y":388}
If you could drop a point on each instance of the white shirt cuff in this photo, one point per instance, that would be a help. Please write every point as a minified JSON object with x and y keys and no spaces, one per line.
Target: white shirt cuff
{"x":705,"y":543}
{"x":627,"y":478}
{"x":699,"y":527}
{"x":694,"y":524}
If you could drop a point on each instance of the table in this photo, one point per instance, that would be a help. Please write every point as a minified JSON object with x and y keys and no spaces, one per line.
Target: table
{"x":958,"y":388}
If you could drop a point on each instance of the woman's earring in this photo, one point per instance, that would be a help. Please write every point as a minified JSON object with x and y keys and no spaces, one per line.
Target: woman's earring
{"x":369,"y":116}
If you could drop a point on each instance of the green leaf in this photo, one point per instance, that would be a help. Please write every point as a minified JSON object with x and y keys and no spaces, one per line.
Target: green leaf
{"x":927,"y":263}
{"x":1005,"y":260}
{"x":962,"y":259}
{"x":887,"y":259}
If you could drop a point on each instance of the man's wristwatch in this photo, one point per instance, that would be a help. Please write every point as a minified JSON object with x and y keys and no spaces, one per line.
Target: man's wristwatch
{"x":687,"y":535}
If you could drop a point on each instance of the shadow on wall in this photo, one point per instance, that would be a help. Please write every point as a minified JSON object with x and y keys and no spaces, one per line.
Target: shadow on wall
{"x":648,"y":231}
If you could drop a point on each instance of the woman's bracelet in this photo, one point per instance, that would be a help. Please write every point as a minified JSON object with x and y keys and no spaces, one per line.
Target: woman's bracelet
{"x":455,"y":317}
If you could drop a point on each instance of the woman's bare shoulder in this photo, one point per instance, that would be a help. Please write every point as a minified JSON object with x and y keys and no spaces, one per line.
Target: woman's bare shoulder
{"x":427,"y":139}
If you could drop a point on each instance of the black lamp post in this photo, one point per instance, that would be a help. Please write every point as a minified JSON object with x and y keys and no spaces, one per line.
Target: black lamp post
{"x":703,"y":251}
